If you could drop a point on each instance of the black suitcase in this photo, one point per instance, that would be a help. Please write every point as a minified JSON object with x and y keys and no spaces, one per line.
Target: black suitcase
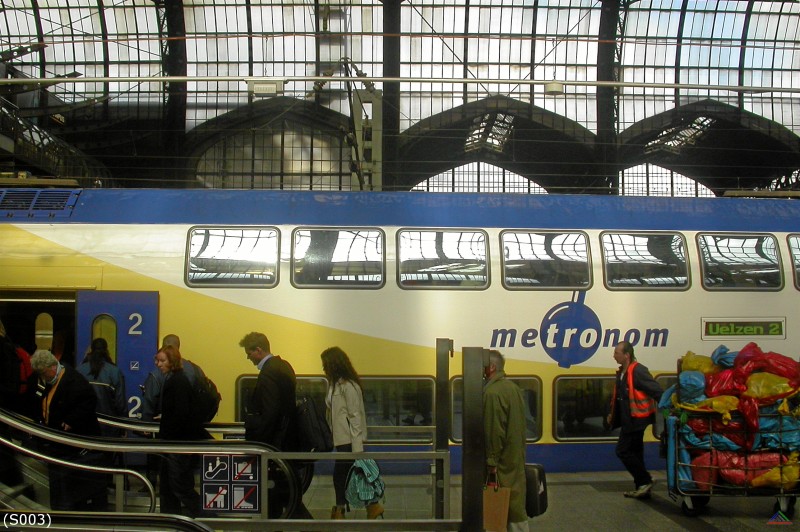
{"x":536,"y":493}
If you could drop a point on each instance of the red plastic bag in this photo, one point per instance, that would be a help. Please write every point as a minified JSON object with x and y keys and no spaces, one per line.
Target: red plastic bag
{"x":751,"y":359}
{"x":705,"y":471}
{"x":726,"y":382}
{"x":734,"y":430}
{"x":738,"y":468}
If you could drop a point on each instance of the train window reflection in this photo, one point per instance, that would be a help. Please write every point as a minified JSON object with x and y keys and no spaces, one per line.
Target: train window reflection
{"x":645,"y":261}
{"x":739,"y":262}
{"x":794,"y":249}
{"x":219,"y":256}
{"x":338,"y":257}
{"x":531,"y":392}
{"x":440,"y":259}
{"x":397,"y":408}
{"x":545,"y":260}
{"x":582,"y":404}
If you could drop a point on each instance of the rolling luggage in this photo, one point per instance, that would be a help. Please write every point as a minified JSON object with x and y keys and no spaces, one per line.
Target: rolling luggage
{"x":536,"y":492}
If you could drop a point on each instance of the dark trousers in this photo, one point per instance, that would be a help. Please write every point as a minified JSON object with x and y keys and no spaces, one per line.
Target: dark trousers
{"x":630,"y":450}
{"x":177,"y":485}
{"x":75,"y":490}
{"x":340,"y":470}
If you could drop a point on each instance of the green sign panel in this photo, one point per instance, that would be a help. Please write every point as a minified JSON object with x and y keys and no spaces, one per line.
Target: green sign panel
{"x":735,"y":328}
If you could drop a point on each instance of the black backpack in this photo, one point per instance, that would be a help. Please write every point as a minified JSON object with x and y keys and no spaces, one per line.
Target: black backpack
{"x":313,"y":432}
{"x":207,"y":397}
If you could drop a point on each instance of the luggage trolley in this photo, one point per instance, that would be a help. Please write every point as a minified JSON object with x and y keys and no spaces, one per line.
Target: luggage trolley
{"x":718,"y":453}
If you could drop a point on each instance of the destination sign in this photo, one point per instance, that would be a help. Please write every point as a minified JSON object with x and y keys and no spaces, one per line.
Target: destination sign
{"x":744,"y":327}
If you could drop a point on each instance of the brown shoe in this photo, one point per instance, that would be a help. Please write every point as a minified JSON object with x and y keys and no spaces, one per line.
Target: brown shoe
{"x":337,"y":512}
{"x":374,"y":510}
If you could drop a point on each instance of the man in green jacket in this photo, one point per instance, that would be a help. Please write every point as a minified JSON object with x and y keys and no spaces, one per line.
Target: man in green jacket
{"x":504,"y":431}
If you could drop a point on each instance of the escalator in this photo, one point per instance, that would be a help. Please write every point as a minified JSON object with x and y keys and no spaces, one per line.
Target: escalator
{"x":128,"y":490}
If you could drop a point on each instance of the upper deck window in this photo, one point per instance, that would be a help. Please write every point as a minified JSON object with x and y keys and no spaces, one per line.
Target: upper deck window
{"x":438,"y":258}
{"x":338,"y":257}
{"x":227,"y":256}
{"x":645,"y":260}
{"x":794,"y":250}
{"x":740,"y":261}
{"x":545,"y":260}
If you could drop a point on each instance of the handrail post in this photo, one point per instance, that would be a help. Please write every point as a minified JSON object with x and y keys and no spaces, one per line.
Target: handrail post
{"x":444,"y":350}
{"x":474,"y":447}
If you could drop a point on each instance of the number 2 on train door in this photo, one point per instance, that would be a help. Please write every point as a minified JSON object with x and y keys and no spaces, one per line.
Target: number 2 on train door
{"x":129,"y":323}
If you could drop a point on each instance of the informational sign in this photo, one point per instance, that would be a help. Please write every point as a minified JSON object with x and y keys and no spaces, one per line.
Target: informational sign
{"x":744,"y":328}
{"x":231,"y":483}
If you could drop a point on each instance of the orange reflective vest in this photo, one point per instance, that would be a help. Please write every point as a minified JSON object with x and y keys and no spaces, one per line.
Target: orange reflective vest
{"x":642,"y":405}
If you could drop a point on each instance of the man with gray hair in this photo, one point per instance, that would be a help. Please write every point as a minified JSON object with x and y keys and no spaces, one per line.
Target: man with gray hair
{"x":64,"y":400}
{"x":504,"y":432}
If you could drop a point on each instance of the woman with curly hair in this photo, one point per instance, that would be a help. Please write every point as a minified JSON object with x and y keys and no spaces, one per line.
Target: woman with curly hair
{"x":348,"y":422}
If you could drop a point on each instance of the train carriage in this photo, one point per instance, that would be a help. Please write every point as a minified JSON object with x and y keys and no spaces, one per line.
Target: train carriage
{"x":551,"y":281}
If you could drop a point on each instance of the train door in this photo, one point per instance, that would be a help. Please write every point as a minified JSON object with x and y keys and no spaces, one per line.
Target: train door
{"x":129,"y":323}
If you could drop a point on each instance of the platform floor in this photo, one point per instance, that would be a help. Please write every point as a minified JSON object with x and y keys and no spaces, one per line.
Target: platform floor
{"x":578,"y":501}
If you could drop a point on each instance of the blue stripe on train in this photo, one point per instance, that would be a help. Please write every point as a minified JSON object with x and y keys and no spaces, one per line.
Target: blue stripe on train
{"x":555,"y":457}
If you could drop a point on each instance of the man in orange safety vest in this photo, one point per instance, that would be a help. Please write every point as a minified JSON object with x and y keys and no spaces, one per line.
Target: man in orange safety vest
{"x":633,"y":408}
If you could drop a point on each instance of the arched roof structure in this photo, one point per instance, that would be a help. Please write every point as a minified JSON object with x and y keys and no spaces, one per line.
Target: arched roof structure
{"x":708,"y":88}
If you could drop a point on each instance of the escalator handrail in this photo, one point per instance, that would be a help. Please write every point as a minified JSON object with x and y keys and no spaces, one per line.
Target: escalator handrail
{"x":101,"y":520}
{"x":85,"y":467}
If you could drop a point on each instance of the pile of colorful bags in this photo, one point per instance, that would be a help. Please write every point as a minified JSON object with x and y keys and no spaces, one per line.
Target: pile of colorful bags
{"x":734,"y":420}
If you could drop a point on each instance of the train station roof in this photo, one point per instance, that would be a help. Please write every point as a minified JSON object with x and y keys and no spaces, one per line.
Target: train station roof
{"x":574,"y":96}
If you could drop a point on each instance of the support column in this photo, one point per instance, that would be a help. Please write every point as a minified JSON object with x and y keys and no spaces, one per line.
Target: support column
{"x":474,"y":359}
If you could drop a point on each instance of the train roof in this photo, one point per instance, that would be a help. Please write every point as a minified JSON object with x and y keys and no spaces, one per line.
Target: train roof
{"x":331,"y":208}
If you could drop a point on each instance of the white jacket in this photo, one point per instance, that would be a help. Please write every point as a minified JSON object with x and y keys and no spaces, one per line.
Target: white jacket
{"x":346,"y":416}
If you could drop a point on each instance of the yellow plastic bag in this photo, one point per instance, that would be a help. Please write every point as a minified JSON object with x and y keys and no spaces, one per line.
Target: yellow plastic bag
{"x":783,"y":476}
{"x":701,"y":363}
{"x":764,"y":385}
{"x":722,"y":404}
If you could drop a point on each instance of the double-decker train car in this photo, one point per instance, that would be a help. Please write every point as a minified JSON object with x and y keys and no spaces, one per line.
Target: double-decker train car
{"x":553,"y":282}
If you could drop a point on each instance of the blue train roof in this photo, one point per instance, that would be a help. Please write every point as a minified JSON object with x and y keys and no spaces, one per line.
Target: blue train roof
{"x":275,"y":207}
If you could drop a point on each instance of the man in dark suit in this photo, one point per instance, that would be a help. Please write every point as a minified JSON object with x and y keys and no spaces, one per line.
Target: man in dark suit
{"x":271,"y":408}
{"x":270,"y":411}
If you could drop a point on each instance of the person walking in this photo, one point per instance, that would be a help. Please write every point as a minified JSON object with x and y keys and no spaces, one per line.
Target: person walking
{"x":504,"y":432}
{"x":179,"y":421}
{"x":62,"y":399}
{"x":633,"y":408}
{"x":348,"y":421}
{"x":107,"y":381}
{"x":271,"y":409}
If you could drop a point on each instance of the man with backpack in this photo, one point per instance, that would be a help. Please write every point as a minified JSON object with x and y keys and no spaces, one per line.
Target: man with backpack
{"x":151,"y":397}
{"x":270,"y":415}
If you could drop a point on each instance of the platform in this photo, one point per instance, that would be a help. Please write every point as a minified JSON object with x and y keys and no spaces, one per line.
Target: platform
{"x":577,"y":501}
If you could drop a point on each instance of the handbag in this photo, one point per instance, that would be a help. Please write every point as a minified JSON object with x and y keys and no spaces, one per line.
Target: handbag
{"x":495,"y":506}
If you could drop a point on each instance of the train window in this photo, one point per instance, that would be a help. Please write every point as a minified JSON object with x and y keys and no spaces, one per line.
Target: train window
{"x":645,"y":261}
{"x":442,"y":259}
{"x":531,"y":391}
{"x":740,"y":262}
{"x":313,"y":386}
{"x":545,"y":260}
{"x":338,"y":257}
{"x":581,"y":407}
{"x":794,"y":249}
{"x":399,"y":408}
{"x":228,"y":256}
